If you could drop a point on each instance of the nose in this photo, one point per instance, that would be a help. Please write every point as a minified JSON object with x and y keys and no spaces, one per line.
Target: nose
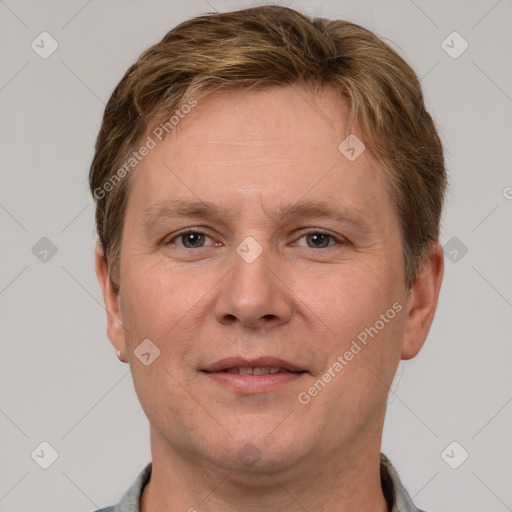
{"x":253,"y":294}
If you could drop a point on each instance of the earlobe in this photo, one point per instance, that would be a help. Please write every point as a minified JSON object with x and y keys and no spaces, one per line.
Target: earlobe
{"x":115,"y":327}
{"x":422,"y":303}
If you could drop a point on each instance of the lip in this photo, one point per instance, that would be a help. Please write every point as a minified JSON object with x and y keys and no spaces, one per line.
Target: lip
{"x":263,"y":361}
{"x":250,"y":384}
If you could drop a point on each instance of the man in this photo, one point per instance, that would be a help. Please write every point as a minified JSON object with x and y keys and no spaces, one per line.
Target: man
{"x":269,"y":189}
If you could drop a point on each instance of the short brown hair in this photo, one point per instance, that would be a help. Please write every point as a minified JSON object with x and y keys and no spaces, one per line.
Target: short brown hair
{"x":269,"y":46}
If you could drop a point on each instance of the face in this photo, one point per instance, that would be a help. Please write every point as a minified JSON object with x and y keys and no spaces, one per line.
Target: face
{"x":251,"y":241}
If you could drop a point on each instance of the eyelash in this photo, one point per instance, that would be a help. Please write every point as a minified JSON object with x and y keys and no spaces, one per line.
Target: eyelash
{"x":338,"y":241}
{"x":183,"y":233}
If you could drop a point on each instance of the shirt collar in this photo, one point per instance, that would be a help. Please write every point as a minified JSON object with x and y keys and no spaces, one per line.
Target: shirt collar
{"x":393,"y":489}
{"x":130,"y":502}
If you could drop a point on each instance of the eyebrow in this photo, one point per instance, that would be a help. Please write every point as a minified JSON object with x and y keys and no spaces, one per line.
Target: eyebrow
{"x":172,"y":208}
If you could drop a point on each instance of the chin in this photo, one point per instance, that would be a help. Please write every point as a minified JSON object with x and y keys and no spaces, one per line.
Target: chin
{"x":259,"y":454}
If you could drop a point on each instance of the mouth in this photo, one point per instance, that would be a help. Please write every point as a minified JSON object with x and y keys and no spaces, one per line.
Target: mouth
{"x":249,"y":376}
{"x":260,"y":366}
{"x":257,"y":370}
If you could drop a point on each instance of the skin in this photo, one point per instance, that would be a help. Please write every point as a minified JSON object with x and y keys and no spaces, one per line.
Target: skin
{"x":254,"y":153}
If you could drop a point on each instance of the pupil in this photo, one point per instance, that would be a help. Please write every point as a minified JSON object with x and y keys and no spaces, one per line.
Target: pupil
{"x":319,"y":240}
{"x":193,"y":239}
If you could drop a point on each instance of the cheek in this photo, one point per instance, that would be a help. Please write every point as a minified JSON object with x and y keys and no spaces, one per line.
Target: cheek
{"x":364,"y":318}
{"x":349,"y":299}
{"x":158,"y":298}
{"x":363,"y":354}
{"x":157,"y":310}
{"x":163,"y":308}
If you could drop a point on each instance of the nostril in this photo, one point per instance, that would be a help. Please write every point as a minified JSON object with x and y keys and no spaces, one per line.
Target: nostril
{"x":230,"y":318}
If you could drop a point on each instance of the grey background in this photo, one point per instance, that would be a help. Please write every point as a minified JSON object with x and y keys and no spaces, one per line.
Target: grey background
{"x":60,"y":380}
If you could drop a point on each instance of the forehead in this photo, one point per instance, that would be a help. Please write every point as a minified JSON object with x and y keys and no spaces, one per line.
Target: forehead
{"x":266,"y":147}
{"x":281,"y":121}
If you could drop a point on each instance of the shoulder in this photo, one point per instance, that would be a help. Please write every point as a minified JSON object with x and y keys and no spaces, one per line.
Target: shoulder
{"x":108,"y":509}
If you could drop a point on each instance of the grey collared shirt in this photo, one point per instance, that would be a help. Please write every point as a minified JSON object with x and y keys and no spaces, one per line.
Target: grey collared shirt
{"x":393,"y":490}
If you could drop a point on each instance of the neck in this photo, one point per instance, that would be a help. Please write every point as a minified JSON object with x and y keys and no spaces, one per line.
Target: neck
{"x":348,"y":482}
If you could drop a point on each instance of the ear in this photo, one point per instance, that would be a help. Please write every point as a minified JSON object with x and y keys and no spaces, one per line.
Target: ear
{"x":115,"y":328}
{"x":422,"y":301}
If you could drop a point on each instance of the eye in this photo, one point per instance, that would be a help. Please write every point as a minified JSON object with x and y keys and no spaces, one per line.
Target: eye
{"x":318,"y":240}
{"x":190,"y":239}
